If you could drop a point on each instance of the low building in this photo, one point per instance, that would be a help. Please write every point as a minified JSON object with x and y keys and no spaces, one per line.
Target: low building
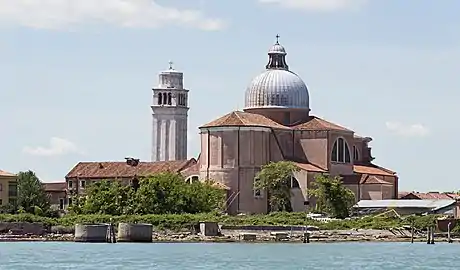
{"x":428,"y":196}
{"x":57,"y":195}
{"x":410,"y":206}
{"x":85,"y":173}
{"x":8,"y":188}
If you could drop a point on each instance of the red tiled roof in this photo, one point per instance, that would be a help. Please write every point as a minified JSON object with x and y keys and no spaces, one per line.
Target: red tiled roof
{"x":192,"y":170}
{"x":238,"y":118}
{"x":4,"y":173}
{"x":402,"y":194}
{"x":372,"y":169}
{"x":55,"y":187}
{"x":430,"y":195}
{"x":316,"y":123}
{"x":372,"y":179}
{"x":309,"y":167}
{"x":104,"y":170}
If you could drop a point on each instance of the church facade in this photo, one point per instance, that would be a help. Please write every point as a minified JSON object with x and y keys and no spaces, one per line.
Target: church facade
{"x":275,"y":125}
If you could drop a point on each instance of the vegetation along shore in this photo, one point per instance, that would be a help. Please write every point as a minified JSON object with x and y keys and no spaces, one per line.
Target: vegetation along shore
{"x":175,"y":208}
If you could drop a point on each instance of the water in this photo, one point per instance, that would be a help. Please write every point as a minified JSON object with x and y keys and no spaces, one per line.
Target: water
{"x":352,"y":256}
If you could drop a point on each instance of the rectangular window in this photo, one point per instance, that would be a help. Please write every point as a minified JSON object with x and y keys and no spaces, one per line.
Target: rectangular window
{"x":258,"y":193}
{"x":12,"y":189}
{"x":1,"y":202}
{"x":1,"y":187}
{"x":70,"y":184}
{"x":61,"y":203}
{"x":82,"y":183}
{"x":341,"y":148}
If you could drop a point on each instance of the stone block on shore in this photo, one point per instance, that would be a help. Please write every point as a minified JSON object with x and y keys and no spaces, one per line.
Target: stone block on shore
{"x":135,"y":232}
{"x":279,"y":235}
{"x":209,"y":229}
{"x":94,"y":233}
{"x":248,"y":236}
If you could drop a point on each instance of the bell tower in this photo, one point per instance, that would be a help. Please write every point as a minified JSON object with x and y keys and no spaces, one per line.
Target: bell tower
{"x":169,"y":117}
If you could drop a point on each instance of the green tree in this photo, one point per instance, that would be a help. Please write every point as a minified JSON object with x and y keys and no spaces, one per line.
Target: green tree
{"x":332,"y":197}
{"x":170,"y":193}
{"x":107,"y":197}
{"x":32,"y":197}
{"x":275,"y":180}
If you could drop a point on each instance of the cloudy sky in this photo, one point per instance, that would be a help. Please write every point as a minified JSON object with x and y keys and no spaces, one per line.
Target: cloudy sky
{"x":76,"y":75}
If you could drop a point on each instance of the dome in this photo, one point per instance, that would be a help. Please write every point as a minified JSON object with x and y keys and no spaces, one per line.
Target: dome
{"x":277,"y":48}
{"x":277,"y":86}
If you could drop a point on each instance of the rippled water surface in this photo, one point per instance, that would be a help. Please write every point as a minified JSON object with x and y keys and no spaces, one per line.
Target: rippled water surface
{"x":36,"y":256}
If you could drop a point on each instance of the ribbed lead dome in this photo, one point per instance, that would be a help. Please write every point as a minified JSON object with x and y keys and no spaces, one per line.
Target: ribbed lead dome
{"x":277,"y":87}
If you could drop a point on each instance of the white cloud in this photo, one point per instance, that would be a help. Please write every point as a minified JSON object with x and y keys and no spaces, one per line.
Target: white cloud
{"x":57,"y":147}
{"x":59,"y":14}
{"x":414,"y":130}
{"x":317,"y":5}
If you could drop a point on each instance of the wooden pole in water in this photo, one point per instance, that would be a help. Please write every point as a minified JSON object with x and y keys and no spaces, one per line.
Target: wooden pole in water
{"x":432,"y":235}
{"x":449,"y":238}
{"x":412,"y":235}
{"x":428,"y":235}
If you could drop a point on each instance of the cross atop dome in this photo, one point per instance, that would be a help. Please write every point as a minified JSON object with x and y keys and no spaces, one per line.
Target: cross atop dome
{"x":171,"y":63}
{"x":277,"y":39}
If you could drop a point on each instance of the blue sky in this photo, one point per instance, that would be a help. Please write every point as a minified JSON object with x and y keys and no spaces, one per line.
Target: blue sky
{"x":76,"y":75}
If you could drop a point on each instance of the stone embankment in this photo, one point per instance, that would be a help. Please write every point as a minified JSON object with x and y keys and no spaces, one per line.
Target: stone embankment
{"x":39,"y":232}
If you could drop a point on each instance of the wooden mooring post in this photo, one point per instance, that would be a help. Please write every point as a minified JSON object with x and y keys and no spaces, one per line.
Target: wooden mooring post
{"x":412,"y":234}
{"x":306,"y":236}
{"x":111,"y":237}
{"x":449,"y":237}
{"x":430,"y":236}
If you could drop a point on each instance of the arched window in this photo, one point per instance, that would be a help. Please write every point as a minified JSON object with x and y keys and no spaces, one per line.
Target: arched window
{"x":169,"y":99}
{"x":160,"y":99}
{"x":355,"y":153}
{"x":294,"y":183}
{"x":341,"y":151}
{"x":192,"y":179}
{"x":165,"y":98}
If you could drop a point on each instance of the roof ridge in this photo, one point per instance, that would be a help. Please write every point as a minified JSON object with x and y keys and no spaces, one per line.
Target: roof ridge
{"x":239,"y":117}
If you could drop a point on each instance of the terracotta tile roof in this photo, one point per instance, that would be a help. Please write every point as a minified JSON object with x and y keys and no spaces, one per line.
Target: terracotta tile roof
{"x":309,"y":167}
{"x":372,"y":169}
{"x":372,"y":179}
{"x":104,"y":170}
{"x":238,"y":118}
{"x":192,"y":170}
{"x":402,"y":194}
{"x":55,"y":187}
{"x":430,"y":196}
{"x":4,"y":173}
{"x":316,"y":123}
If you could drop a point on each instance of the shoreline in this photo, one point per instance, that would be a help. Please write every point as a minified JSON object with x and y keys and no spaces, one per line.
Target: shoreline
{"x":236,"y":236}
